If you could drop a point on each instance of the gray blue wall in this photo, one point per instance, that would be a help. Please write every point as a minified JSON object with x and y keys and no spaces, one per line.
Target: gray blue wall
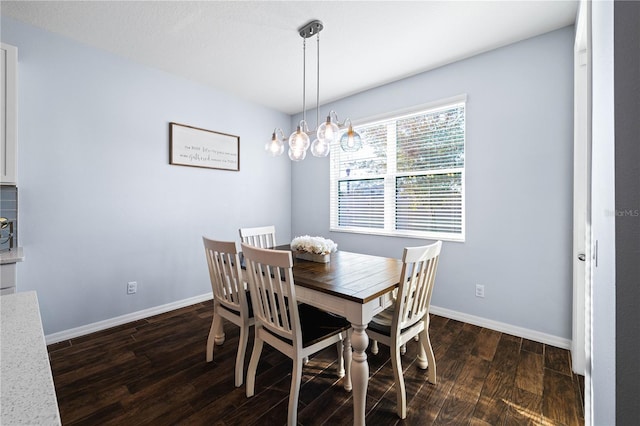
{"x":519,"y":150}
{"x":99,"y":203}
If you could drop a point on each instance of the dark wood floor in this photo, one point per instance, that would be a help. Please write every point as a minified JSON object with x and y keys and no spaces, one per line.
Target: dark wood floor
{"x":153,"y":371}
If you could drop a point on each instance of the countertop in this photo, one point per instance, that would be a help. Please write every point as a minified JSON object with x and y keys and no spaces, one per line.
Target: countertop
{"x":27,"y":392}
{"x":12,"y":256}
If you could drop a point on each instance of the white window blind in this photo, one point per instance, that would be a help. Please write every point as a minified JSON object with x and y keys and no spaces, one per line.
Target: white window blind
{"x":407,"y":180}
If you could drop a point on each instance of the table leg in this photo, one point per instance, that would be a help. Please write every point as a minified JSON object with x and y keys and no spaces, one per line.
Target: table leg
{"x":359,"y":372}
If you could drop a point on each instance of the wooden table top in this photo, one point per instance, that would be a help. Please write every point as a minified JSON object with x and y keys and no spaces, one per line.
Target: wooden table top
{"x":352,"y":276}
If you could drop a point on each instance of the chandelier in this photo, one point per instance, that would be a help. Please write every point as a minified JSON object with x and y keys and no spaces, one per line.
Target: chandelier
{"x":327,"y":132}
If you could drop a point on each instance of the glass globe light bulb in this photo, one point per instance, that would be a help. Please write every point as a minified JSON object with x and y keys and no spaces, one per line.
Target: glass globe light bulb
{"x":328,"y":131}
{"x":297,"y":154}
{"x":350,"y":140}
{"x":275,"y":146}
{"x":299,"y":140}
{"x":320,"y":148}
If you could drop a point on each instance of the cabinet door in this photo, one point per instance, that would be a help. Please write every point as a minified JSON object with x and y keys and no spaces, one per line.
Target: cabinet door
{"x":9,"y":114}
{"x":8,"y":278}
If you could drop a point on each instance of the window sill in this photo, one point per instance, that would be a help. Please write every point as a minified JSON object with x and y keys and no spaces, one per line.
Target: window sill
{"x":399,"y":234}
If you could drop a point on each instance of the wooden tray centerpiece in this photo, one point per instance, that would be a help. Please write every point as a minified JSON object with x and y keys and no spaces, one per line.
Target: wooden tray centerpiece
{"x":314,"y":249}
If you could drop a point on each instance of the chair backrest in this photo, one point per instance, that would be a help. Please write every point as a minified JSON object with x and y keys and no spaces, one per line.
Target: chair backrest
{"x":226,"y":274}
{"x":261,"y":236}
{"x":272,"y":291}
{"x":416,"y":284}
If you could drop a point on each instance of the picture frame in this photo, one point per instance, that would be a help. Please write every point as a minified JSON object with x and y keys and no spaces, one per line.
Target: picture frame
{"x":196,"y":147}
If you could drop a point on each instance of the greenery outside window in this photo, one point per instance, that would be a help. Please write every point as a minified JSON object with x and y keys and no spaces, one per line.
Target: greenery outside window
{"x":408,"y":179}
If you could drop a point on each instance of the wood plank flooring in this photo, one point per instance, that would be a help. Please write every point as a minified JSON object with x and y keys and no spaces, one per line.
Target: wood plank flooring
{"x":153,"y":371}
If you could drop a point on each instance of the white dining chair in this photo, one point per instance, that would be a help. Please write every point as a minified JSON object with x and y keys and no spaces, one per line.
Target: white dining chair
{"x":296,"y":330}
{"x":230,"y":299}
{"x":261,"y":236}
{"x":408,"y":317}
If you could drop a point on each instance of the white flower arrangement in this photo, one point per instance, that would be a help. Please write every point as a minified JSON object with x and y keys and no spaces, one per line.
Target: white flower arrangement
{"x":315,"y":245}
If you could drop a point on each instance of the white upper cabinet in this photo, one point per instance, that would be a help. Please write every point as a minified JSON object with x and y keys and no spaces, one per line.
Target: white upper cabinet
{"x":9,"y":125}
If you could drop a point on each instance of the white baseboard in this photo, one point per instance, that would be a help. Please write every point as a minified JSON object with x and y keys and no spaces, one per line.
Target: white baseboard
{"x":502,"y":327}
{"x":526,"y":333}
{"x":123,"y":319}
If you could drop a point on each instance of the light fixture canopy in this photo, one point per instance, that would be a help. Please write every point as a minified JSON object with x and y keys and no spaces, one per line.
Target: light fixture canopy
{"x":326,"y":133}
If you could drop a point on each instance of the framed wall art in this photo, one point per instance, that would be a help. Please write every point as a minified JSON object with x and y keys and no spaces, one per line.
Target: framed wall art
{"x":195,"y":147}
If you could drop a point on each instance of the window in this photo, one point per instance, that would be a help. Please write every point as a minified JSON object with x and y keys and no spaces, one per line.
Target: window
{"x":408,"y":178}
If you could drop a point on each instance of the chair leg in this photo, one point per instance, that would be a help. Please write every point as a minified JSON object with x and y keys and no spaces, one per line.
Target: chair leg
{"x":401,"y":398}
{"x":374,"y":347}
{"x":340,"y":359}
{"x":220,"y":337}
{"x":216,"y":323}
{"x":242,"y":348}
{"x":253,"y":365}
{"x":426,"y":344}
{"x":348,"y":355}
{"x":422,"y":361}
{"x":296,"y":378}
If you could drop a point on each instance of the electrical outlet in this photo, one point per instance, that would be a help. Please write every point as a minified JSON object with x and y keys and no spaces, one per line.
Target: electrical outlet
{"x":132,"y":287}
{"x":479,"y":290}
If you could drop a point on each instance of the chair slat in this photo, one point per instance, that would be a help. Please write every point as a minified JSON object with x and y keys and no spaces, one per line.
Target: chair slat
{"x":261,"y":236}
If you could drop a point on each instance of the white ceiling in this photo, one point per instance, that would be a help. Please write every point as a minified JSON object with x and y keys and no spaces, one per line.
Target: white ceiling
{"x":252,"y":48}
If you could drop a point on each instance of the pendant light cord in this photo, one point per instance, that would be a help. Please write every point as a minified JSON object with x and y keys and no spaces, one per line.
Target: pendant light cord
{"x":304,"y":80}
{"x":318,"y":82}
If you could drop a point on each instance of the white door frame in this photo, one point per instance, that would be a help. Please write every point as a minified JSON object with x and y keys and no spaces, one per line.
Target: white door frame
{"x":581,"y":189}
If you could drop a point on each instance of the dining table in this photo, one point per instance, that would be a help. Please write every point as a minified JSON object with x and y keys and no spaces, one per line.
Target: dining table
{"x":356,"y":286}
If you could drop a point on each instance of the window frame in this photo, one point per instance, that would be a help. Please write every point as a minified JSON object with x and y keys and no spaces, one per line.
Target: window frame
{"x":390,"y":178}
